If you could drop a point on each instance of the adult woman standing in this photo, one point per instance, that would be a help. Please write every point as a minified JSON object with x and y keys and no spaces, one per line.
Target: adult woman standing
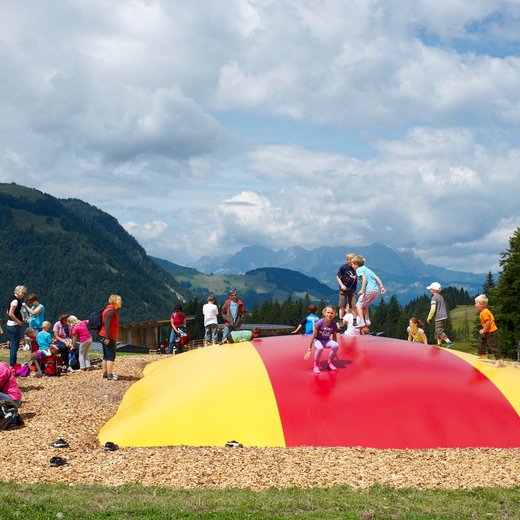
{"x":15,"y":322}
{"x":177,"y":319}
{"x":108,"y":335}
{"x":36,"y":312}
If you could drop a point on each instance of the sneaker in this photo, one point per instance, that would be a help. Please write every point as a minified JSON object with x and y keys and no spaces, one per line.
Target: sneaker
{"x":449,"y":344}
{"x":70,"y":369}
{"x":57,"y":461}
{"x":233,"y":444}
{"x":110,"y":446}
{"x":105,"y":375}
{"x":112,"y":377}
{"x":331,"y":366}
{"x":316,"y":369}
{"x":60,"y":443}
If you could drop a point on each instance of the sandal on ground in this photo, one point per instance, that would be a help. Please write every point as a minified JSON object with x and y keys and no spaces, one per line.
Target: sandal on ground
{"x":59,"y":443}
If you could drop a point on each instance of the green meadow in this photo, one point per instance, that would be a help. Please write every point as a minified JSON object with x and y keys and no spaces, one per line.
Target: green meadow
{"x":42,"y":501}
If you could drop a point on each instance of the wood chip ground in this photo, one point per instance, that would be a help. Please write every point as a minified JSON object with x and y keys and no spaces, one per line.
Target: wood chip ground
{"x":75,"y":406}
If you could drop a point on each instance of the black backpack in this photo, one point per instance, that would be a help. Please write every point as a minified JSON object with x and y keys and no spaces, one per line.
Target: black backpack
{"x":95,"y":320}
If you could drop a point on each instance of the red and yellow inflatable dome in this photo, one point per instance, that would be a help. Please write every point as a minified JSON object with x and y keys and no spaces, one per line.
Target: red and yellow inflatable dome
{"x":385,"y":394}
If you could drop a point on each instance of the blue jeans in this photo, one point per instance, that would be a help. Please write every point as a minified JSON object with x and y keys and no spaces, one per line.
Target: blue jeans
{"x":9,"y":398}
{"x":64,"y":351}
{"x":227,"y":333}
{"x":211,"y":332}
{"x":171,"y":344}
{"x":16,"y":336}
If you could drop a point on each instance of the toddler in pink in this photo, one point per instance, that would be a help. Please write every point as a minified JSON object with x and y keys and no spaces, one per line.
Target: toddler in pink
{"x":81,"y":333}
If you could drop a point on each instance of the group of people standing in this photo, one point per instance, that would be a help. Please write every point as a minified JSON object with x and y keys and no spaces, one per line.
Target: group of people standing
{"x":69,"y":337}
{"x":233,"y":314}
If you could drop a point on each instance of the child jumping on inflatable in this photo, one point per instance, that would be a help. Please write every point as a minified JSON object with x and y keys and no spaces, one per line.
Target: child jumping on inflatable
{"x":324,"y":335}
{"x":369,"y":290}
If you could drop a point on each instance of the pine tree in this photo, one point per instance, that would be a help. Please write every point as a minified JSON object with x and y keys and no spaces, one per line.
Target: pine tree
{"x":507,"y":297}
{"x":489,"y":284}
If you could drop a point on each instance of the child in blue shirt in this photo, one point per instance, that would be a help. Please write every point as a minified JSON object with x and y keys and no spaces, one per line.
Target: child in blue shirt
{"x":309,"y":321}
{"x":44,"y":340}
{"x":369,"y":290}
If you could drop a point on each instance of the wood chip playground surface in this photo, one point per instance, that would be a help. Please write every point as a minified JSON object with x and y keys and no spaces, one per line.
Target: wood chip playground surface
{"x":75,"y":406}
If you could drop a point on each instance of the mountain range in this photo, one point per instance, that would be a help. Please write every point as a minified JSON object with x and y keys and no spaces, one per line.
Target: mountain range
{"x":403,"y":273}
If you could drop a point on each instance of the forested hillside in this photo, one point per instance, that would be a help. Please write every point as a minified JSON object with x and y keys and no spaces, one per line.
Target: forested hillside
{"x":74,"y":256}
{"x":257,"y":286}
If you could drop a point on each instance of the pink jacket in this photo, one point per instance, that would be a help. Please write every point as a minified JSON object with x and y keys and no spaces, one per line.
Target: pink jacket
{"x":8,"y":384}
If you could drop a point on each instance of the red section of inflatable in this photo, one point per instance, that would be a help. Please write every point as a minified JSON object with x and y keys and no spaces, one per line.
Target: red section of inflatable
{"x":386,"y":394}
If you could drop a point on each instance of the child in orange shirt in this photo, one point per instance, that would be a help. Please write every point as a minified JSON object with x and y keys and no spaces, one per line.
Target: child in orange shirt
{"x":488,"y":334}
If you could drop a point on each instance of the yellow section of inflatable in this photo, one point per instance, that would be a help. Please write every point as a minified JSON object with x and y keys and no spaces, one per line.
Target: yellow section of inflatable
{"x":504,"y":378}
{"x":204,"y":397}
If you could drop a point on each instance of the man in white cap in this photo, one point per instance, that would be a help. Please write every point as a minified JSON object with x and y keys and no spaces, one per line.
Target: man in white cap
{"x":438,"y":309}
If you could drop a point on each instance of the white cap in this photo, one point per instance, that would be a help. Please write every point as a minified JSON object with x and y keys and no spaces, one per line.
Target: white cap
{"x":436,"y":286}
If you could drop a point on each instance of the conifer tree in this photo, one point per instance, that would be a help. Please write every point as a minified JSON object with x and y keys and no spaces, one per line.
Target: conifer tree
{"x":507,"y":297}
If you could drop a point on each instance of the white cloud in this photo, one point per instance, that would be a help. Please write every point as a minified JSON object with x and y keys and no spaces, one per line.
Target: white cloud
{"x":148,"y":231}
{"x":182,"y":108}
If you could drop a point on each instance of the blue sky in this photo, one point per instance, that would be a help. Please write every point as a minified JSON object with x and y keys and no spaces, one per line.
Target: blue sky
{"x":204,"y":127}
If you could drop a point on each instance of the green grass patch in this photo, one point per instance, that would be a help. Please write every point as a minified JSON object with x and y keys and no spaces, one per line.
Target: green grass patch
{"x":45,"y":501}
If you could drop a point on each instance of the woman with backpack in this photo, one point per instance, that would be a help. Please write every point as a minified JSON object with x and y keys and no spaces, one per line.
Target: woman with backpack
{"x":108,"y":335}
{"x":15,"y":322}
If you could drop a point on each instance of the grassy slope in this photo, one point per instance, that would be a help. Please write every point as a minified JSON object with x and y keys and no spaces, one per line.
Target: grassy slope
{"x":135,"y":501}
{"x":464,"y":316}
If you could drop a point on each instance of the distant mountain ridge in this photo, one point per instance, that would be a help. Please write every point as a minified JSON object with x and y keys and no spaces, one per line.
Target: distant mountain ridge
{"x":403,"y":273}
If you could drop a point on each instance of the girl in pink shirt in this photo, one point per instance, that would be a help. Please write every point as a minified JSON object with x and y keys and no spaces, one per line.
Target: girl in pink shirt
{"x":9,"y":388}
{"x":81,"y":333}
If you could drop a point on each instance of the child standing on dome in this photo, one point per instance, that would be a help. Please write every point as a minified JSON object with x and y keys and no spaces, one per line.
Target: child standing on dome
{"x":324,"y":335}
{"x":370,"y":286}
{"x":439,"y":313}
{"x":488,"y":334}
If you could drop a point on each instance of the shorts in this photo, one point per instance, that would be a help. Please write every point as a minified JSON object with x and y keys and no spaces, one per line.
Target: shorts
{"x":366,"y":299}
{"x":109,"y":350}
{"x":347,"y":299}
{"x":439,"y":329}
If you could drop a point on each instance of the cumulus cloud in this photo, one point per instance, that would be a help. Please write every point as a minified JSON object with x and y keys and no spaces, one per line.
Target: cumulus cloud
{"x":170,"y":115}
{"x":148,"y":231}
